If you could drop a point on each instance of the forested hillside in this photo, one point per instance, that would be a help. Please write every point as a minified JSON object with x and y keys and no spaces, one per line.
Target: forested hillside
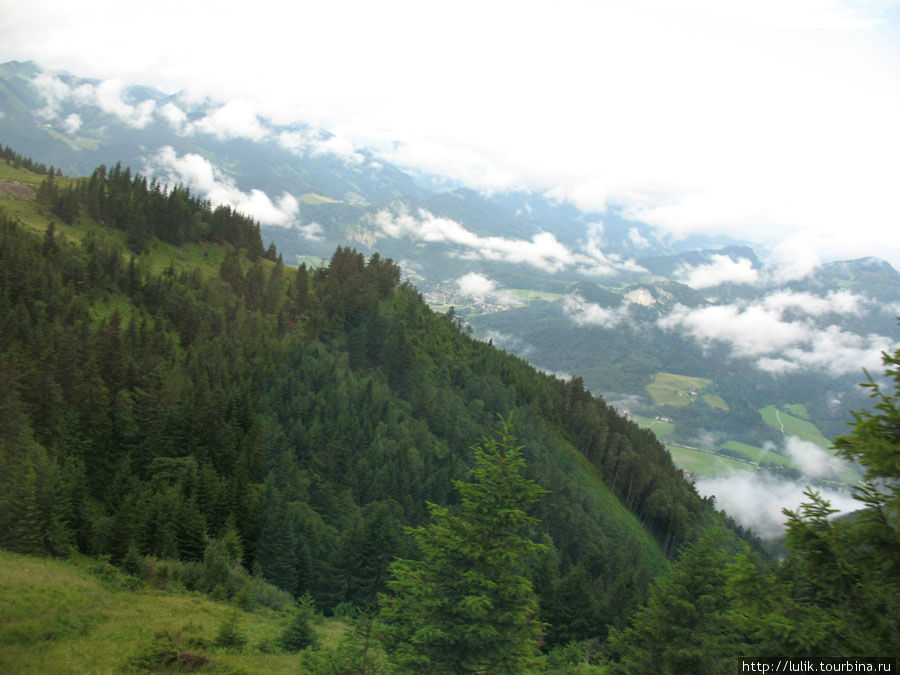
{"x":154,"y":406}
{"x":178,"y":402}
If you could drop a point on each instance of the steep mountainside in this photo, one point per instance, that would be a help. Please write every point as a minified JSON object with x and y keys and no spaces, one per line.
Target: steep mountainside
{"x":163,"y":395}
{"x":594,"y":295}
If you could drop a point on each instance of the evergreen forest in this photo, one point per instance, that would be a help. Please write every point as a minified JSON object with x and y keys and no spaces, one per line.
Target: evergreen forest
{"x":319,"y":438}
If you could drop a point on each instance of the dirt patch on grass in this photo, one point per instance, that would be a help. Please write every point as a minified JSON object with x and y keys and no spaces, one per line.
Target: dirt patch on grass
{"x":11,"y":188}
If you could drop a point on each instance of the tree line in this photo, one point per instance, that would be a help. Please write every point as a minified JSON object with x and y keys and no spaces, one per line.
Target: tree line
{"x":144,"y":209}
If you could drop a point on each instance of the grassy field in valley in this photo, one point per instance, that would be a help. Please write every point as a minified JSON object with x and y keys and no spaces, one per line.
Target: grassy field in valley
{"x":755,"y":454}
{"x":793,"y":426}
{"x":661,"y":429}
{"x":706,"y":464}
{"x":681,"y":390}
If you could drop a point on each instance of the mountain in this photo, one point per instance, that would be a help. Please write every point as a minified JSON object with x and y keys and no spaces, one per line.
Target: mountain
{"x":669,"y":265}
{"x":78,"y":123}
{"x":171,"y":385}
{"x":181,"y":404}
{"x":593,"y":295}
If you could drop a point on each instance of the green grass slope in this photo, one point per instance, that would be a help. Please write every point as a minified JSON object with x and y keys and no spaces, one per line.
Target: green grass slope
{"x":681,"y":390}
{"x":790,"y":425}
{"x":78,"y":616}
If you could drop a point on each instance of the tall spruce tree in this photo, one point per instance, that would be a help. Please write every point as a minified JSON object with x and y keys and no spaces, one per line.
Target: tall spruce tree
{"x":468,"y":604}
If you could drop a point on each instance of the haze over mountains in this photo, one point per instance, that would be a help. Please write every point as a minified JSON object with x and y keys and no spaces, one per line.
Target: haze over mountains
{"x":701,"y":338}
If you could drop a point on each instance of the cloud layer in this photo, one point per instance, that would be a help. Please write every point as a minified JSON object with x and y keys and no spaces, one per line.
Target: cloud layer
{"x":721,"y":270}
{"x":756,"y":499}
{"x":542,"y":251}
{"x":780,"y":334}
{"x":586,"y":313}
{"x":108,"y":95}
{"x":202,"y":177}
{"x":481,"y":288}
{"x":767,"y":120}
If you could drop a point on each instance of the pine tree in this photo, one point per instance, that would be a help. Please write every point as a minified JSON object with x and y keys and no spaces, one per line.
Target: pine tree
{"x":468,"y":604}
{"x":685,"y":626}
{"x":299,"y":632}
{"x":838,"y":589}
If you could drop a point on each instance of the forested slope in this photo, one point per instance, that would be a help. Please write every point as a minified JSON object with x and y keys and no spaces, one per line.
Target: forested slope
{"x":154,"y":405}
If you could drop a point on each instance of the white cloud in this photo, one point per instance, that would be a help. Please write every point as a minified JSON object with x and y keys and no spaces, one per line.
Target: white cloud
{"x":202,"y":177}
{"x":838,"y":302}
{"x":72,"y":124}
{"x":480,"y":287}
{"x":176,"y":117}
{"x":586,"y":313}
{"x":796,"y":256}
{"x":109,"y":96}
{"x":601,"y":263}
{"x":312,"y":231}
{"x":751,"y":331}
{"x":838,"y":352}
{"x":637,"y":239}
{"x":53,"y":90}
{"x":756,"y":499}
{"x":314,"y":143}
{"x":812,"y":460}
{"x":235,"y":119}
{"x":761,"y":331}
{"x":339,"y":147}
{"x":511,"y":343}
{"x":777,"y":366}
{"x":755,"y":117}
{"x":476,"y":285}
{"x":543,"y":250}
{"x":721,"y":270}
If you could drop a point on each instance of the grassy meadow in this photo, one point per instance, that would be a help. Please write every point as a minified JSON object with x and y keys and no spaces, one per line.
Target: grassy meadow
{"x":681,"y":390}
{"x":661,"y":429}
{"x":755,"y":454}
{"x":793,"y":426}
{"x":82,"y":616}
{"x":706,"y":464}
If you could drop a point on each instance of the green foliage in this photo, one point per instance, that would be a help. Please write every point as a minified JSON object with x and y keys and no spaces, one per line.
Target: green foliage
{"x":838,"y":589}
{"x":167,"y":652}
{"x":359,"y":652}
{"x":685,"y":627}
{"x":73,"y":615}
{"x":195,"y":418}
{"x":299,"y":633}
{"x":229,"y":634}
{"x":468,"y":604}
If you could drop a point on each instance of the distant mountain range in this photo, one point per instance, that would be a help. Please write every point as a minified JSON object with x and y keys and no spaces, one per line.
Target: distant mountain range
{"x":592,"y":295}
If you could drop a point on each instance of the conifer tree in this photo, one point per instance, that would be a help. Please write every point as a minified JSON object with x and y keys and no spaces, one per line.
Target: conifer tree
{"x":468,"y":604}
{"x":685,"y":627}
{"x":838,"y":590}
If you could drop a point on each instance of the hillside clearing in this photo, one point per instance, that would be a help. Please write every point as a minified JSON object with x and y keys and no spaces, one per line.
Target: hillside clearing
{"x":60,"y":616}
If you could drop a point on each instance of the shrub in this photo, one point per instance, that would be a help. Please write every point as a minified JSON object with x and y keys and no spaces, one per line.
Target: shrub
{"x":167,"y":652}
{"x":229,"y":634}
{"x":299,"y":633}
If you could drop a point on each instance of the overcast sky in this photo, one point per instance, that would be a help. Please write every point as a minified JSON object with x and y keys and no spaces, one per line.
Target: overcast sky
{"x":777,"y":121}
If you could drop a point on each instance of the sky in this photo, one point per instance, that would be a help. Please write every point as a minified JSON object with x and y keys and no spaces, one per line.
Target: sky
{"x":773,"y":121}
